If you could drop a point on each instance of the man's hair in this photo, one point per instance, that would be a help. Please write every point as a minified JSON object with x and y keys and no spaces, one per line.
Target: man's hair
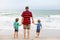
{"x":17,"y":19}
{"x":26,"y":7}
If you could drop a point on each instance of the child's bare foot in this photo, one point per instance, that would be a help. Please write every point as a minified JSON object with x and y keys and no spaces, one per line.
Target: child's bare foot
{"x":16,"y":37}
{"x":28,"y":38}
{"x":36,"y":36}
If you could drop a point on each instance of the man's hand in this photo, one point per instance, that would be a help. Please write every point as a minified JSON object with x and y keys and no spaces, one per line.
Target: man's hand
{"x":32,"y":21}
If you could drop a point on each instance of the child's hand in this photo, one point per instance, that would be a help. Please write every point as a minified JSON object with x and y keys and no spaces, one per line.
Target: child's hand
{"x":34,"y":23}
{"x":20,"y":24}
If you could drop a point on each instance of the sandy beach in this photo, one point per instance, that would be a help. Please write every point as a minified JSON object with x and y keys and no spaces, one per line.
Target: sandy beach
{"x":49,"y":31}
{"x":46,"y":34}
{"x":48,"y":11}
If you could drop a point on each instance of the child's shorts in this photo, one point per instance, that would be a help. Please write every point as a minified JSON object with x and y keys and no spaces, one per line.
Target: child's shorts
{"x":37,"y":30}
{"x":16,"y":30}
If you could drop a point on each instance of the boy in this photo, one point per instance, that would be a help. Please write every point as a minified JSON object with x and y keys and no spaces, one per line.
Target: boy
{"x":16,"y":25}
{"x":39,"y":26}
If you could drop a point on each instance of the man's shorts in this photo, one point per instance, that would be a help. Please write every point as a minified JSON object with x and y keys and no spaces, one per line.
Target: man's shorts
{"x":26,"y":26}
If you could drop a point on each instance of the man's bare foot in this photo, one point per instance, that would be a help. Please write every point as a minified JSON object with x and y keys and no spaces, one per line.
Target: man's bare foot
{"x":15,"y":36}
{"x":37,"y":37}
{"x":28,"y":38}
{"x":24,"y":37}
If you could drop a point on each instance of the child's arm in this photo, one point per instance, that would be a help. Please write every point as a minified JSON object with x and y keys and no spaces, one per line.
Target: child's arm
{"x":41,"y":26}
{"x":20,"y":24}
{"x":34,"y":23}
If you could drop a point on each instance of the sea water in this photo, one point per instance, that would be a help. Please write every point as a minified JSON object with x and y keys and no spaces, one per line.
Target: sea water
{"x":49,"y":18}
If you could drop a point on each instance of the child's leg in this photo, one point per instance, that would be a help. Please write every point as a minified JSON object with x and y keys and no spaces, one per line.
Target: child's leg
{"x":37,"y":33}
{"x":16,"y":34}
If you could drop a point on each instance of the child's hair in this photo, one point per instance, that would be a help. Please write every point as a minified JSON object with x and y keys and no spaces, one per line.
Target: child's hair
{"x":39,"y":20}
{"x":17,"y":19}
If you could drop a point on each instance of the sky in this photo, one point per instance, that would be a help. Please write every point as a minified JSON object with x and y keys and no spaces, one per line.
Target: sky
{"x":33,"y":4}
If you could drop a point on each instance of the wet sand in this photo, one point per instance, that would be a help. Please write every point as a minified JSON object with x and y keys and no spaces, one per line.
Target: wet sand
{"x":46,"y":34}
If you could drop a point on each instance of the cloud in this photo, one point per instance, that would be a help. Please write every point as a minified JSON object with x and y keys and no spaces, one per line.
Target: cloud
{"x":33,"y":4}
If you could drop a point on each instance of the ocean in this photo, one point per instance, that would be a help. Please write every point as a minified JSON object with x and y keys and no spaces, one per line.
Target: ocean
{"x":50,"y":19}
{"x":36,"y":13}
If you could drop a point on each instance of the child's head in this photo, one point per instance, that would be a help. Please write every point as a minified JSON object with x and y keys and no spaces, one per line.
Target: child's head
{"x":17,"y":19}
{"x":39,"y":20}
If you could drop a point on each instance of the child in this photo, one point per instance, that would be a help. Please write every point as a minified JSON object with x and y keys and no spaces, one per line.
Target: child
{"x":16,"y":26}
{"x":39,"y":26}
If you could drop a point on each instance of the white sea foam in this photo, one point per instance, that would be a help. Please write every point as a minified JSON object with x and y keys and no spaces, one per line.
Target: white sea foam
{"x":52,"y":22}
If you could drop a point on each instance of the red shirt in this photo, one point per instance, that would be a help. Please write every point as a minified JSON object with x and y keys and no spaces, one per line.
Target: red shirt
{"x":26,"y":17}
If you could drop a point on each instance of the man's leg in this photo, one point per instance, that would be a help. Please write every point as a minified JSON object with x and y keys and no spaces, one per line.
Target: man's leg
{"x":28,"y":31}
{"x":24,"y":31}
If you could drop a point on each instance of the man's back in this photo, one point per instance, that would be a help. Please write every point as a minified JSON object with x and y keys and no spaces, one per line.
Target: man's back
{"x":26,"y":15}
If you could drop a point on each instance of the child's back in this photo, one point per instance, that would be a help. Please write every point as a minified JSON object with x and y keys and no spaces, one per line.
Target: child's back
{"x":16,"y":25}
{"x":38,"y":26}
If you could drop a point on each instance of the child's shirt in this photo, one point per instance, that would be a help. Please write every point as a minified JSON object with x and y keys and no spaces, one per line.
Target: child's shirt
{"x":38,"y":26}
{"x":16,"y":25}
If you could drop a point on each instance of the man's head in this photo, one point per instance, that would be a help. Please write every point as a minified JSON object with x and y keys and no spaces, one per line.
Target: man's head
{"x":26,"y":7}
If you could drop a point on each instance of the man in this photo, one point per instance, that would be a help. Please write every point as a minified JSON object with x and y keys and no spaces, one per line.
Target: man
{"x":26,"y":21}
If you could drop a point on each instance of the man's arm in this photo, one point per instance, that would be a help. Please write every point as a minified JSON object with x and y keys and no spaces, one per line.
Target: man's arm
{"x":32,"y":20}
{"x":22,"y":20}
{"x":34,"y":23}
